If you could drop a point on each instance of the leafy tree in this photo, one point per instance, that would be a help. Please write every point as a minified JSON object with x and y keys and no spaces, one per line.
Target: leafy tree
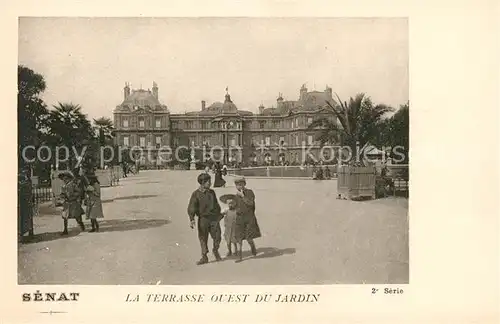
{"x":395,"y":131}
{"x":31,"y":110}
{"x":184,"y":157}
{"x":358,"y":123}
{"x":126,"y":156}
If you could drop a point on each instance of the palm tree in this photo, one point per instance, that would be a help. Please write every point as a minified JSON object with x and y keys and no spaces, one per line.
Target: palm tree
{"x":70,"y":128}
{"x":104,"y":125}
{"x":358,"y":123}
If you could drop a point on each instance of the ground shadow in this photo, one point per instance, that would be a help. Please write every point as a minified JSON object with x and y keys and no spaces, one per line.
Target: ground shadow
{"x":269,"y":252}
{"x":128,"y":198}
{"x":117,"y":225}
{"x":264,"y":253}
{"x":114,"y":225}
{"x":50,"y":236}
{"x":147,"y":182}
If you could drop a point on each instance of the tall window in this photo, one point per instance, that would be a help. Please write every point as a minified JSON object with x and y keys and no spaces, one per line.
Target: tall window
{"x":189,"y":124}
{"x":309,"y":120}
{"x":192,"y":140}
{"x":125,"y":123}
{"x":282,"y":140}
{"x":158,"y":140}
{"x":309,"y":139}
{"x":293,"y":124}
{"x":158,"y":122}
{"x":262,"y":124}
{"x":297,"y":140}
{"x":268,"y":140}
{"x":125,"y":141}
{"x":206,"y":140}
{"x":142,"y":141}
{"x":141,"y":122}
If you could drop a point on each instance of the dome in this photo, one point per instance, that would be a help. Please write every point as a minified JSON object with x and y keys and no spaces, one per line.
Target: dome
{"x":228,"y":105}
{"x":216,"y":106}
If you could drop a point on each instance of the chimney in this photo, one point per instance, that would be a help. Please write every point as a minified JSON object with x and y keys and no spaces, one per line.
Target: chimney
{"x":203,"y":105}
{"x":261,"y":109}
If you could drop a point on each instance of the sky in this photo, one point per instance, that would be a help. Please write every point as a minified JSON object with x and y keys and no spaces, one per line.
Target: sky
{"x":87,"y":61}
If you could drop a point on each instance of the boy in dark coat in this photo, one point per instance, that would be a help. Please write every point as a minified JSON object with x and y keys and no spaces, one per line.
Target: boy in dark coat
{"x":204,"y":204}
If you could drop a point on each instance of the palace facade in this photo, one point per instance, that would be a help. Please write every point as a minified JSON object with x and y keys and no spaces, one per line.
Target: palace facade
{"x":277,"y":133}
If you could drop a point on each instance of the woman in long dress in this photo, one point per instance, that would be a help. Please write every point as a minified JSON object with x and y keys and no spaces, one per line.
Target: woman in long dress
{"x":314,"y":172}
{"x":94,"y":204}
{"x":327,"y":173}
{"x":218,"y":179}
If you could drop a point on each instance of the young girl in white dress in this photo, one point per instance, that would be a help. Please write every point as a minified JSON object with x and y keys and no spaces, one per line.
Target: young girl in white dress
{"x":230,"y":227}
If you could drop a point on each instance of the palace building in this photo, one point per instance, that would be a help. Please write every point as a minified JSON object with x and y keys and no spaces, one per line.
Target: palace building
{"x":141,"y":120}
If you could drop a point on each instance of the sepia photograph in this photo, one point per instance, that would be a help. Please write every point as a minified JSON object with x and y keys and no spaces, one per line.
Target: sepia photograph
{"x":213,"y":151}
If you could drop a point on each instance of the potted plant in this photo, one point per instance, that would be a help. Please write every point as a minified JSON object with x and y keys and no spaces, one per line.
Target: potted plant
{"x":356,"y":125}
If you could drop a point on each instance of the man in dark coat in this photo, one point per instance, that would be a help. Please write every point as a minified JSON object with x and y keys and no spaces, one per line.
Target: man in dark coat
{"x":327,"y":173}
{"x":125,"y":169}
{"x":204,"y":204}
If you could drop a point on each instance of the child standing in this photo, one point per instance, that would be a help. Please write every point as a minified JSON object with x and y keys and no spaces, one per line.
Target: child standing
{"x":72,"y":205}
{"x":94,"y":204}
{"x":204,"y":204}
{"x":247,"y":227}
{"x":230,"y":236}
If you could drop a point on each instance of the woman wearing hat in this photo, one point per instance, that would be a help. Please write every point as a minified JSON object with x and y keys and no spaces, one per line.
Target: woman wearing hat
{"x":218,"y":180}
{"x":246,"y":227}
{"x":72,"y":205}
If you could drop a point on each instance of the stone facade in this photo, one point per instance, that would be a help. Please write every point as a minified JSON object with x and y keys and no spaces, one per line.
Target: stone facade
{"x":141,"y":120}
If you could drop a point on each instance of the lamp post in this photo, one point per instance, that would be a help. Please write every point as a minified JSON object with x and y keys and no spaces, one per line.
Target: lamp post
{"x":228,"y":125}
{"x":193,"y":162}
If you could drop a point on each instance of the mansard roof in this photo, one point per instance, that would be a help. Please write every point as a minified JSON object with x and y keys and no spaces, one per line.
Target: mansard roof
{"x":140,"y":99}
